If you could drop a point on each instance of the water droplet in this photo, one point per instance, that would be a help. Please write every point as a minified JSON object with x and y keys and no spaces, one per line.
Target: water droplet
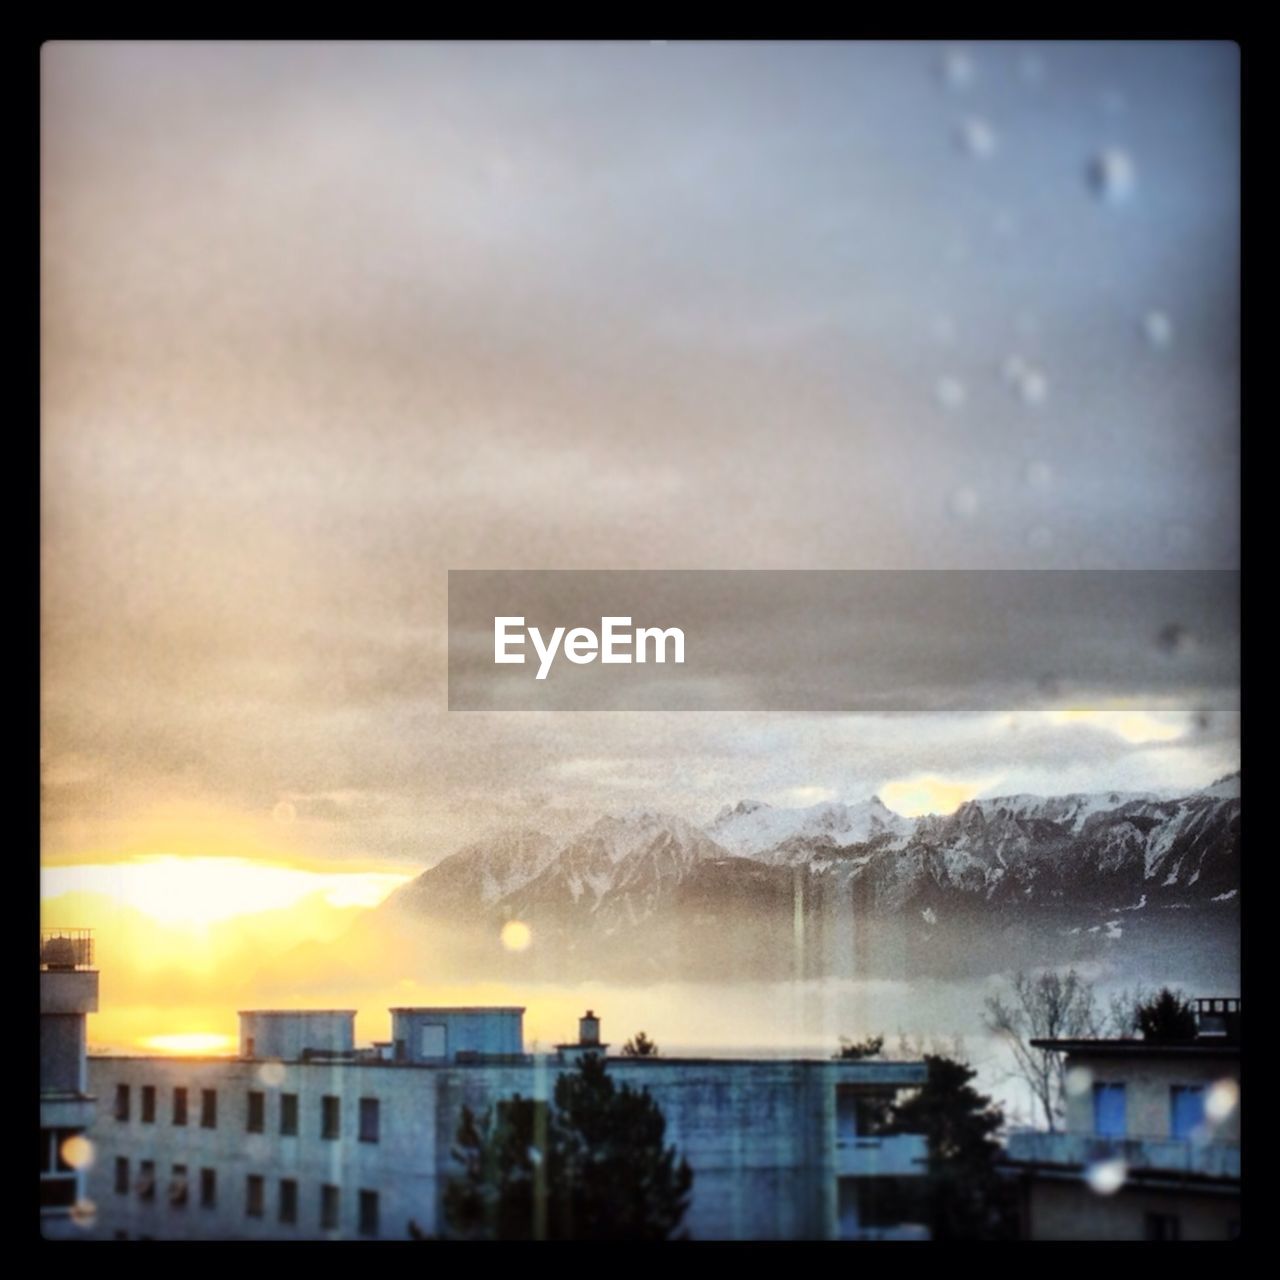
{"x":272,"y":1074}
{"x":1112,"y":175}
{"x":284,"y":813}
{"x":1221,"y":1100}
{"x":1174,"y":638}
{"x":964,"y":503}
{"x":944,"y":329}
{"x":516,"y":935}
{"x":1013,"y":370}
{"x":1026,"y":323}
{"x":1031,"y":68}
{"x":1106,"y":1177}
{"x":950,"y":393}
{"x":1040,"y":538}
{"x":1158,"y":329}
{"x":1079,"y":1081}
{"x":1033,"y":387}
{"x":1038,"y":475}
{"x":77,"y":1151}
{"x":977,"y":137}
{"x":958,"y":69}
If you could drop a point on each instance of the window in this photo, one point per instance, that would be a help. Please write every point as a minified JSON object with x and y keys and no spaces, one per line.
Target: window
{"x":256,"y":1121}
{"x":1186,"y":1108}
{"x":368,"y":1213}
{"x":330,"y":1116}
{"x":249,"y":1047}
{"x":288,"y":1200}
{"x":1163,"y":1226}
{"x":122,"y":1176}
{"x":147,"y":1180}
{"x":148,"y":1104}
{"x":328,"y":1206}
{"x":208,"y":1188}
{"x":401,"y":1051}
{"x":369,"y":1119}
{"x":1109,"y":1110}
{"x":253,"y":1195}
{"x":178,"y":1187}
{"x":289,"y":1114}
{"x":122,"y":1102}
{"x":179,"y":1106}
{"x":208,"y":1108}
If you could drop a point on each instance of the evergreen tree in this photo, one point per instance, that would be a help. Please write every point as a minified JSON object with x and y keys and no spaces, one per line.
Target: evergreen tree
{"x":594,"y":1166}
{"x":965,"y":1197}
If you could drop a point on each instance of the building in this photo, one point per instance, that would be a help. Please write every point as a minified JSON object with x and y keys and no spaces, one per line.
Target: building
{"x":68,"y":993}
{"x":1151,"y":1149}
{"x":304,"y":1136}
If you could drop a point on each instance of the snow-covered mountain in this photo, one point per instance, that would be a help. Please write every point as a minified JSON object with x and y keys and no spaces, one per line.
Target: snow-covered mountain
{"x":759,"y":876}
{"x":753,"y":829}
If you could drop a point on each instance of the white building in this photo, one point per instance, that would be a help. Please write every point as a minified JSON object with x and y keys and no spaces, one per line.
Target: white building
{"x":304,"y":1137}
{"x":68,"y":992}
{"x":1151,"y":1149}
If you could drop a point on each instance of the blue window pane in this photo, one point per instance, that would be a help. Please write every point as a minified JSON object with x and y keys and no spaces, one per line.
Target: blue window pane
{"x":1188,"y":1109}
{"x":1108,"y":1110}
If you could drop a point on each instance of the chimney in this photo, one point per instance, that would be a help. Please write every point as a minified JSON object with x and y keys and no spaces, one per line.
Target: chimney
{"x":589,"y":1030}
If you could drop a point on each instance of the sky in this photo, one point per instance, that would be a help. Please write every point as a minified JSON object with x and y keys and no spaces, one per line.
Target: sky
{"x":321,"y":322}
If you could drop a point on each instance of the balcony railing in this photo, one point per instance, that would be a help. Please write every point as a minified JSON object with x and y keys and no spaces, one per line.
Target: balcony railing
{"x":893,"y":1155}
{"x":1152,"y":1155}
{"x":66,"y":950}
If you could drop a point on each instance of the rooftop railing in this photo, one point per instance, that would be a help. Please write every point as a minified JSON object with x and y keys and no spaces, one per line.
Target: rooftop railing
{"x":1207,"y":1159}
{"x":66,"y":950}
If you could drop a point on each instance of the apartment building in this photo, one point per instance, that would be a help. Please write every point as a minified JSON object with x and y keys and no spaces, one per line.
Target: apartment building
{"x":1151,"y":1147}
{"x":68,"y":994}
{"x":304,"y":1136}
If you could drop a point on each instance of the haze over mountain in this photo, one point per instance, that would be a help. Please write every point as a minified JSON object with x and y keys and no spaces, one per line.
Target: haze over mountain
{"x":836,"y":888}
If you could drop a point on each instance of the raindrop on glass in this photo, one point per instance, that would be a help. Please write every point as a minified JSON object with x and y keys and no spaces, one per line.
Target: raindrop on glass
{"x":1033,"y":387}
{"x":1038,"y":475}
{"x":284,"y":813}
{"x":957,"y":69}
{"x":272,"y":1074}
{"x":1174,"y":638}
{"x":1158,"y":329}
{"x":1106,"y":1177}
{"x":950,"y":393}
{"x":1112,"y":175}
{"x":963,"y":504}
{"x":977,"y":137}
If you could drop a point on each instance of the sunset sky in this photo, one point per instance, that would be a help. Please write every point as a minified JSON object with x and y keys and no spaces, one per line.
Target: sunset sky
{"x":322,"y":322}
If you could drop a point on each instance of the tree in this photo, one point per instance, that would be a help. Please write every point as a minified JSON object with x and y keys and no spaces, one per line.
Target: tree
{"x":1050,"y":1006}
{"x":869,"y":1047}
{"x":594,"y":1166}
{"x":965,"y":1197}
{"x":1167,"y":1016}
{"x":640,"y":1046}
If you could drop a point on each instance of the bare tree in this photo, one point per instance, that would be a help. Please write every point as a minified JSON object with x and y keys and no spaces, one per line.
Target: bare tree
{"x":1047,"y":1006}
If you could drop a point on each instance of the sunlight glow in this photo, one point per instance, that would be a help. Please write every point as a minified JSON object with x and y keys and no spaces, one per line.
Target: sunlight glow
{"x":1133,"y":726}
{"x":190,"y":1042}
{"x":927,"y":793}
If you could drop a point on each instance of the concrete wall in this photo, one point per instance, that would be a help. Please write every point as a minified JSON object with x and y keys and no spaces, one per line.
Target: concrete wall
{"x":62,"y":1053}
{"x":435,"y":1035}
{"x":63,"y":991}
{"x":760,"y":1137}
{"x":287,"y":1035}
{"x":1063,"y":1210}
{"x":1148,"y":1082}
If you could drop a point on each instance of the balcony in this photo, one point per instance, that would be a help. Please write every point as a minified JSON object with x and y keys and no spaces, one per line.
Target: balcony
{"x":889,"y":1156}
{"x":66,"y":950}
{"x":1182,"y":1158}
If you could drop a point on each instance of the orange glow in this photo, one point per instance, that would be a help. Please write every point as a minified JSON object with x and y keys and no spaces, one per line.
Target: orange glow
{"x":190,"y":1042}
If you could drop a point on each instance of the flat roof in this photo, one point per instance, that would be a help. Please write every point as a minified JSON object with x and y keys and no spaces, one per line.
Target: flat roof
{"x":295,"y":1013}
{"x":1207,"y":1046}
{"x":458,"y":1008}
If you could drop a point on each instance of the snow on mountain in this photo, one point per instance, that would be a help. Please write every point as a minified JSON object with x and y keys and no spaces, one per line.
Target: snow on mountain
{"x":752,"y":829}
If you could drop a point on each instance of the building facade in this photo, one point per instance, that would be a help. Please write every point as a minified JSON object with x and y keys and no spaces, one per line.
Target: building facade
{"x":1151,"y":1147}
{"x":68,"y":994}
{"x":304,"y":1137}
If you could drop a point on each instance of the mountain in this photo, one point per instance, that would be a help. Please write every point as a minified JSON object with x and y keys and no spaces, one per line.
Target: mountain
{"x":841,"y":888}
{"x":752,"y":829}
